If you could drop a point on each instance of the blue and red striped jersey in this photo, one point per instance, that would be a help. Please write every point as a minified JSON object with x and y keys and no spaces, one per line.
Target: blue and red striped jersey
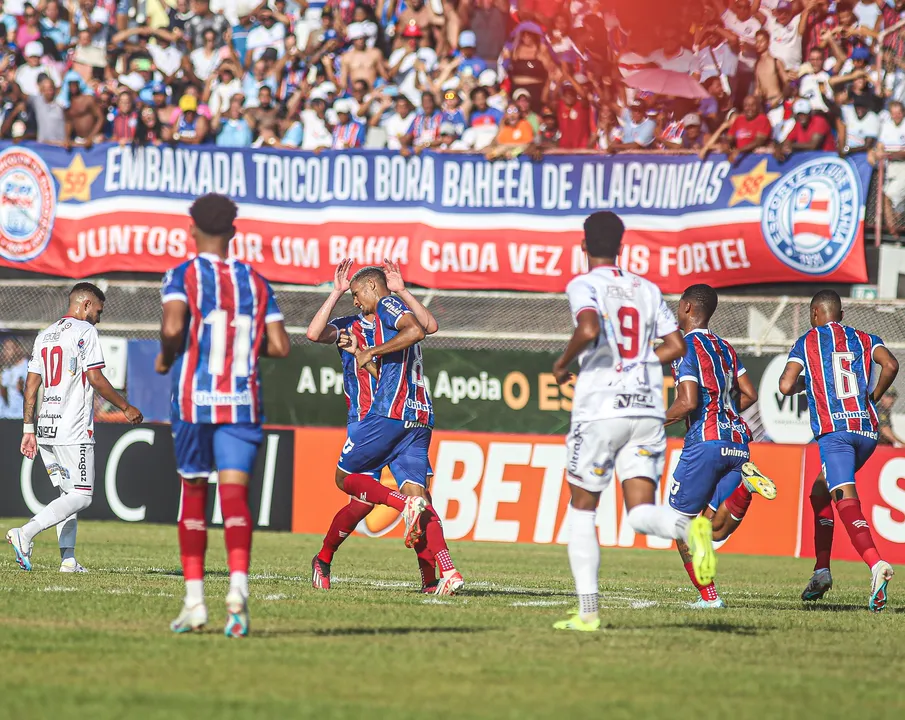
{"x":837,"y":362}
{"x":358,"y":385}
{"x":216,"y":376}
{"x":711,"y":362}
{"x":401,"y":391}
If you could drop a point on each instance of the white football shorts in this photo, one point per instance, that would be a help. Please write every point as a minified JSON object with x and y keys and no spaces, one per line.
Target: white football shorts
{"x":71,"y":467}
{"x":632,"y":447}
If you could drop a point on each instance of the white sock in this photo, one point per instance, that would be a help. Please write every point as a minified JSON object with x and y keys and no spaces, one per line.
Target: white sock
{"x":584,"y":558}
{"x":54,"y":513}
{"x":659,"y":520}
{"x":194,"y":592}
{"x":239,"y":581}
{"x":66,"y":532}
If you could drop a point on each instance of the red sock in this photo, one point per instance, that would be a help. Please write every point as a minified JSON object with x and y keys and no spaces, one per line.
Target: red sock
{"x":737,"y":503}
{"x":851,"y":516}
{"x":193,"y":530}
{"x":369,"y":490}
{"x":708,"y":592}
{"x":426,"y":561}
{"x":344,"y":522}
{"x":823,"y":530}
{"x":236,"y":526}
{"x":433,"y":531}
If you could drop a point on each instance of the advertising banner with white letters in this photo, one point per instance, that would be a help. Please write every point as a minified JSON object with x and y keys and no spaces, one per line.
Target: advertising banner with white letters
{"x":511,"y":488}
{"x":136,"y":478}
{"x":453,"y":221}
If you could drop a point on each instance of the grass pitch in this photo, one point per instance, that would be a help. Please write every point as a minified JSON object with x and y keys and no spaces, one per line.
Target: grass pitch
{"x":98,"y":646}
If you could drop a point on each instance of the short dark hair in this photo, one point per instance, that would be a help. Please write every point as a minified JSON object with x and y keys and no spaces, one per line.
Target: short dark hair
{"x":87,"y":287}
{"x":214,"y":214}
{"x":603,"y":234}
{"x":702,"y":296}
{"x":829,"y":300}
{"x":372,"y":272}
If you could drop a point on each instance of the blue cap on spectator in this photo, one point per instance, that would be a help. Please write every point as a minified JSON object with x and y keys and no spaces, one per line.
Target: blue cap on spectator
{"x":158,"y":88}
{"x":860,"y":53}
{"x":783,"y":5}
{"x":468,"y":39}
{"x":330,"y":35}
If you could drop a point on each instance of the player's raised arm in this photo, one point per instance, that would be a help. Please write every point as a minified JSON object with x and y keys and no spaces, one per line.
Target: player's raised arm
{"x":889,"y":368}
{"x":319,"y":329}
{"x":29,"y":445}
{"x":396,"y":284}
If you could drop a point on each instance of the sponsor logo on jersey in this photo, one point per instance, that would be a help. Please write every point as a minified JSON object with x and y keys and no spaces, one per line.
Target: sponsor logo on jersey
{"x":393,"y":306}
{"x":55,"y":468}
{"x":27,"y":204}
{"x":81,"y":343}
{"x":733,"y":452}
{"x":204,"y":398}
{"x":53,"y":399}
{"x":46,"y":433}
{"x":626,"y":400}
{"x":604,"y":469}
{"x":83,"y":464}
{"x":51,"y":337}
{"x":73,"y":366}
{"x":812,"y":215}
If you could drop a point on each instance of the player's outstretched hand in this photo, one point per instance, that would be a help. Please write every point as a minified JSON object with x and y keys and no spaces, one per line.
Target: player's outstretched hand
{"x":133,"y":415}
{"x":160,"y":366}
{"x":29,"y":447}
{"x":341,"y":281}
{"x":393,"y":273}
{"x":348,"y":342}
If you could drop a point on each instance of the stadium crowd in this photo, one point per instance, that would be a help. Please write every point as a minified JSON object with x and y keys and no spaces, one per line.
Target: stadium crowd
{"x":703,"y":75}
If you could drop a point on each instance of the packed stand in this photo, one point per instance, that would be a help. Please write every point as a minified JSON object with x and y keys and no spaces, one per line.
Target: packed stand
{"x":731,"y":76}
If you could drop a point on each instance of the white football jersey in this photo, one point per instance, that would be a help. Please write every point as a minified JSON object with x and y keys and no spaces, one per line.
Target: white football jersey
{"x":62,"y":356}
{"x":620,"y":375}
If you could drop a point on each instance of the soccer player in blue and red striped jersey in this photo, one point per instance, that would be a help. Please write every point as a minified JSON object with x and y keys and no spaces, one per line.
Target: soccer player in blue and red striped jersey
{"x":714,"y":474}
{"x":219,"y":318}
{"x":359,"y":386}
{"x":834,"y":364}
{"x":397,"y":429}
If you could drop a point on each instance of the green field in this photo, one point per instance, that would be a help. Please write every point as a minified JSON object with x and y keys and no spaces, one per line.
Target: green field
{"x":97,"y":646}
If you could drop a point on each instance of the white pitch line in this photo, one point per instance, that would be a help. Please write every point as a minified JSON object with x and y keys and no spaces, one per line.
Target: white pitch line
{"x":539,"y":603}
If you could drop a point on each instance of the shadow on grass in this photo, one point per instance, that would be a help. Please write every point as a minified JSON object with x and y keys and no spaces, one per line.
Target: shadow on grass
{"x":354,"y":631}
{"x":726,"y":628}
{"x":833,"y":607}
{"x":514,"y":592}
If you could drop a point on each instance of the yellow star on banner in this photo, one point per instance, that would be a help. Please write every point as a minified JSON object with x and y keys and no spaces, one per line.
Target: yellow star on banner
{"x":750,"y":186}
{"x":75,"y":181}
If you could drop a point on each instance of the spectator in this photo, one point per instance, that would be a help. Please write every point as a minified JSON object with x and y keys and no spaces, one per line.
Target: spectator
{"x":125,"y":123}
{"x":55,"y":29}
{"x":316,"y":135}
{"x":772,"y":82}
{"x":19,"y":122}
{"x":717,"y":54}
{"x":451,"y":111}
{"x":49,"y":114}
{"x":522,"y":99}
{"x":399,"y":125}
{"x":785,"y":30}
{"x":819,"y":21}
{"x":203,"y":61}
{"x":150,"y":130}
{"x":529,"y":65}
{"x":232,"y":129}
{"x":12,"y":380}
{"x":426,"y":125}
{"x":869,"y":15}
{"x":258,"y":78}
{"x":857,"y":127}
{"x":488,"y":22}
{"x":239,"y":36}
{"x":891,"y":149}
{"x":514,"y":136}
{"x":810,"y":132}
{"x":420,"y":15}
{"x":30,"y":28}
{"x":190,"y":126}
{"x":268,"y":34}
{"x":637,"y":130}
{"x":717,"y":107}
{"x":749,"y":131}
{"x":449,"y":136}
{"x":201,"y":20}
{"x":83,"y":112}
{"x":262,"y":110}
{"x":573,"y":118}
{"x":27,"y":75}
{"x":348,"y":133}
{"x":740,"y":21}
{"x":8,"y":24}
{"x":482,"y":115}
{"x":268,"y":137}
{"x":690,"y":136}
{"x":467,"y":62}
{"x":671,"y":55}
{"x":884,"y":419}
{"x":221,"y":87}
{"x":361,"y":62}
{"x":608,"y":129}
{"x":548,"y":132}
{"x":93,"y":18}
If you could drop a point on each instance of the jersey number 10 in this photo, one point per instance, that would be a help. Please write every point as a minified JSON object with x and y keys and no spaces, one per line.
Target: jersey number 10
{"x":219,"y":323}
{"x":53,"y":365}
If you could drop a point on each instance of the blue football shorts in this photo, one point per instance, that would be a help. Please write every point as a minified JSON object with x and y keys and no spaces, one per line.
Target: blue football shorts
{"x":842,"y":454}
{"x":202,"y":448}
{"x":708,"y":472}
{"x":377,"y":442}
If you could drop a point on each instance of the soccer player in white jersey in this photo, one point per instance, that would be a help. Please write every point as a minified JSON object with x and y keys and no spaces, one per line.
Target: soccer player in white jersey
{"x":68,"y":361}
{"x":617,"y":412}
